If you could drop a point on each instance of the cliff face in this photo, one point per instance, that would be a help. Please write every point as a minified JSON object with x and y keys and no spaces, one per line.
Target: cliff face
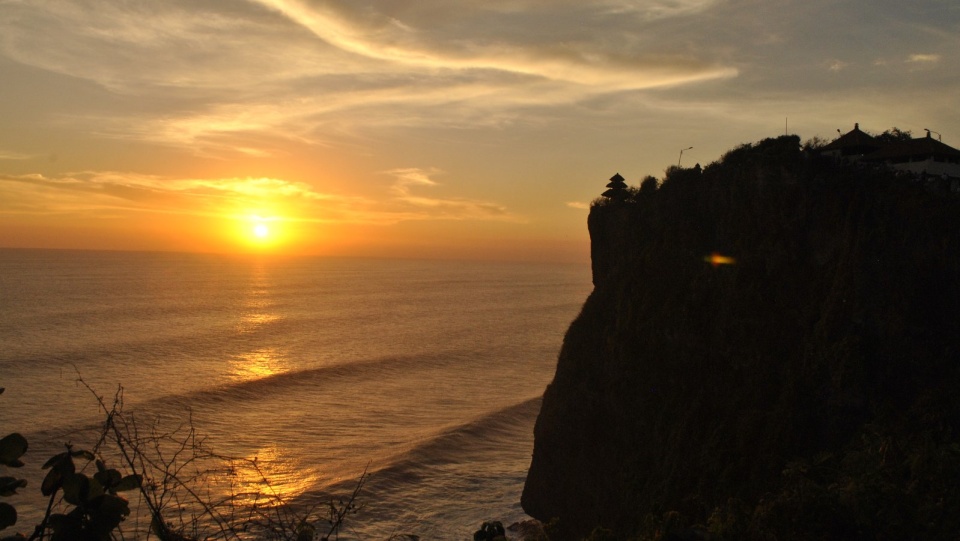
{"x":822,"y":361}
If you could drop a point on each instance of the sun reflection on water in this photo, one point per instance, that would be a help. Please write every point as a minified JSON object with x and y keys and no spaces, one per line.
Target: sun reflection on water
{"x":249,"y":322}
{"x":257,"y":308}
{"x":257,"y":364}
{"x":271,"y":477}
{"x":258,"y":303}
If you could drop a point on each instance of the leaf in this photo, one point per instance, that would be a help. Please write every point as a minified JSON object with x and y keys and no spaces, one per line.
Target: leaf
{"x":76,"y":487}
{"x":12,"y":447}
{"x":57,"y":520}
{"x":51,"y":482}
{"x":62,"y":467}
{"x":108,"y":512}
{"x":108,"y":478}
{"x":9,"y":485}
{"x":130,"y":482}
{"x":8,"y":515}
{"x":65,"y":527}
{"x":95,"y":489}
{"x":59,"y":457}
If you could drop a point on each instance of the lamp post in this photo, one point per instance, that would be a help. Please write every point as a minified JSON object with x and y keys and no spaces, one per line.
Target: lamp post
{"x":681,"y":155}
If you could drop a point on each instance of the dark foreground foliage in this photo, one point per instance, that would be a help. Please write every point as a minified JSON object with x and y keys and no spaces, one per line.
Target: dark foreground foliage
{"x":188,"y":492}
{"x":800,"y":387}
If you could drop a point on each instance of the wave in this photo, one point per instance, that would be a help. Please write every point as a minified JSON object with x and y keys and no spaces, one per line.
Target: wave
{"x":337,"y":373}
{"x":473,"y":441}
{"x":175,"y":404}
{"x":158,"y":339}
{"x":460,"y":450}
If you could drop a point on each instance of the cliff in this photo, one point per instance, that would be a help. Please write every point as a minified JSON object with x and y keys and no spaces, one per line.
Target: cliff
{"x":805,"y":390}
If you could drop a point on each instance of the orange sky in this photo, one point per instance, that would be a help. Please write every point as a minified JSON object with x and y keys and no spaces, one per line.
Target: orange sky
{"x":428,"y":129}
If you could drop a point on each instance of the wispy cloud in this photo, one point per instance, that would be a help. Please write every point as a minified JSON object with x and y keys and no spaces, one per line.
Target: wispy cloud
{"x":381,"y":36}
{"x":923,"y":58}
{"x":407,"y":180}
{"x":105,"y":190}
{"x":655,"y":10}
{"x":201,"y":74}
{"x":923,"y":61}
{"x":8,"y":155}
{"x":836,"y":65}
{"x":89,"y":193}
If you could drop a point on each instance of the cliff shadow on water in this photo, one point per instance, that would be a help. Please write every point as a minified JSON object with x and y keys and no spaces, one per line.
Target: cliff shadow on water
{"x":770,"y":352}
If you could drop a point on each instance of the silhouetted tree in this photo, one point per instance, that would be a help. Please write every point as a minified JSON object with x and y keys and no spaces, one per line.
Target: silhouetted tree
{"x":814,"y":143}
{"x":894,"y":135}
{"x":649,"y":184}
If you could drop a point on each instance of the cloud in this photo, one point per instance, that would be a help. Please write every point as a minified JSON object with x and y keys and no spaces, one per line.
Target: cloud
{"x":220,"y":79}
{"x":579,"y":205}
{"x":92,"y":191}
{"x":266,"y":79}
{"x":923,"y":61}
{"x":8,"y":155}
{"x":380,"y":35}
{"x":195,"y":48}
{"x":407,"y":179}
{"x":103,"y":193}
{"x":836,"y":65}
{"x":213,"y":108}
{"x":655,"y":10}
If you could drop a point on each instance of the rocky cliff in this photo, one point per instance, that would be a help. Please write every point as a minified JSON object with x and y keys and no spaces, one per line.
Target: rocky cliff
{"x":804,"y":388}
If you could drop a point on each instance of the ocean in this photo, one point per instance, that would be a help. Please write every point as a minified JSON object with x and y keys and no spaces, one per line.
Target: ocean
{"x":425,"y":374}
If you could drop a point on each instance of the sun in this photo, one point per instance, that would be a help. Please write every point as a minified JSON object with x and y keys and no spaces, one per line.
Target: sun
{"x":267,"y":231}
{"x":262,"y":231}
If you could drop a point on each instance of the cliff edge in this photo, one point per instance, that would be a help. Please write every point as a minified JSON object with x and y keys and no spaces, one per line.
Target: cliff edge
{"x":770,"y":351}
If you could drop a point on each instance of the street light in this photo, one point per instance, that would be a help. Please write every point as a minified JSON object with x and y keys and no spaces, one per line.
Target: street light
{"x":681,"y":155}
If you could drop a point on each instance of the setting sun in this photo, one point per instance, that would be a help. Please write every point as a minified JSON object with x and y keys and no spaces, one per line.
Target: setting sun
{"x":262,"y":231}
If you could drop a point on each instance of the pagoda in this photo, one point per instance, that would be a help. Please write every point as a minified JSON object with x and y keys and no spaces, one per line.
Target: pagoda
{"x":616,"y":189}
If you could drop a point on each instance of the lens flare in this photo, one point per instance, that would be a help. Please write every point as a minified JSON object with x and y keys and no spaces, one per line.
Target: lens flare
{"x":716,"y":259}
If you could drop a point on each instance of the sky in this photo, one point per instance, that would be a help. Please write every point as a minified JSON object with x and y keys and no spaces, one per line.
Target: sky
{"x":429,"y":128}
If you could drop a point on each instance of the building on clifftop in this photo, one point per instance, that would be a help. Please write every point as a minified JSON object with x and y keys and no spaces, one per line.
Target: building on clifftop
{"x":921,"y":156}
{"x":616,"y":188}
{"x":924,"y":157}
{"x":852,"y":145}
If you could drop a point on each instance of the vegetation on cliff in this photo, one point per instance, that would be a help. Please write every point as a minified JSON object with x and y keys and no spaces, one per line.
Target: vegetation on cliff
{"x":806,"y":391}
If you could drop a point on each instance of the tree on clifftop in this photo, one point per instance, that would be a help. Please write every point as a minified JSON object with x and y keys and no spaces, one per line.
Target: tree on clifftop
{"x":894,"y":135}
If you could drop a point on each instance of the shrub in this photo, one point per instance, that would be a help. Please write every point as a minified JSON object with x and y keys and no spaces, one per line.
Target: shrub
{"x":173,"y":475}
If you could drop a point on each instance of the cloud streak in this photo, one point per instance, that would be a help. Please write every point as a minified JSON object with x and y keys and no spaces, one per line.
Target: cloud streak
{"x":217,"y":71}
{"x":8,"y":155}
{"x":407,"y":180}
{"x":386,"y":38}
{"x":105,"y":193}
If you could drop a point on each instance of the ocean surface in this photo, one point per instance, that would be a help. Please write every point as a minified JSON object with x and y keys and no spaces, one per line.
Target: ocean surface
{"x":426,"y":374}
